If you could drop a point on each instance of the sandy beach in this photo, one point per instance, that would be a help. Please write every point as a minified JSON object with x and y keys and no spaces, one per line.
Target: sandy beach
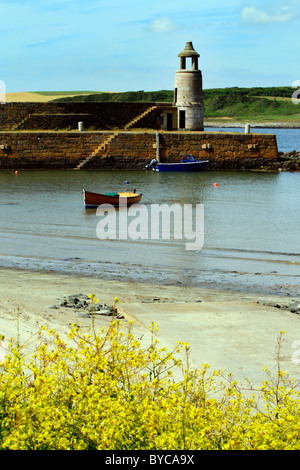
{"x":233,"y":331}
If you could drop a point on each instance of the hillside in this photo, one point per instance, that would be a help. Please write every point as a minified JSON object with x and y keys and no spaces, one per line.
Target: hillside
{"x":41,"y":96}
{"x":251,"y":104}
{"x":258,"y":104}
{"x":230,"y":105}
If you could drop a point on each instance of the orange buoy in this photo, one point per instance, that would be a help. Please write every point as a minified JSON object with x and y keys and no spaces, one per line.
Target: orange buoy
{"x":16,"y":172}
{"x":216,"y":184}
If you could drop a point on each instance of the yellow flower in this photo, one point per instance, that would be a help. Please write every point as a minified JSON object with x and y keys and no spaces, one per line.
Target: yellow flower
{"x":105,"y":391}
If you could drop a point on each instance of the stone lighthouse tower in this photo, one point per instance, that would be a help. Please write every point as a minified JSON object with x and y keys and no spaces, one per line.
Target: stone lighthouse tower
{"x":188,"y":97}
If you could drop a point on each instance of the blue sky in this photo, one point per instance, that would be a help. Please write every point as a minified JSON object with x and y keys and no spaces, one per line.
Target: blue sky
{"x":121,"y":45}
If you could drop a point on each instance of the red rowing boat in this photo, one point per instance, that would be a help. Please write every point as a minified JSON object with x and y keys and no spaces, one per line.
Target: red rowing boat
{"x":93,"y":200}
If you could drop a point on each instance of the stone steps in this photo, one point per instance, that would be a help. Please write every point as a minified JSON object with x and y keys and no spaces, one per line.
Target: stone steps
{"x":101,"y":148}
{"x":138,"y":118}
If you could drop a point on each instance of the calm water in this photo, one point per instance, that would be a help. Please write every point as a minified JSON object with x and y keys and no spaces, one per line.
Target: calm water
{"x":251,"y":227}
{"x":287,"y":139}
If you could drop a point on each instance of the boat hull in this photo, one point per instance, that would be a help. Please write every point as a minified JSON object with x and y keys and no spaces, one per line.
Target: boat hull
{"x":182,"y":166}
{"x":93,"y":200}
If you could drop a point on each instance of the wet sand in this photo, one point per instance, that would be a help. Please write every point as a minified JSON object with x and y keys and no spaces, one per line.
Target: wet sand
{"x":233,"y":331}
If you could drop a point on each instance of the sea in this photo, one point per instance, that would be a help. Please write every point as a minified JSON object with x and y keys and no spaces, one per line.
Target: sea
{"x":250,"y":226}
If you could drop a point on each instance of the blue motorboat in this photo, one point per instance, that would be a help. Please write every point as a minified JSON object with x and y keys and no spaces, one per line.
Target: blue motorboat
{"x":188,"y":163}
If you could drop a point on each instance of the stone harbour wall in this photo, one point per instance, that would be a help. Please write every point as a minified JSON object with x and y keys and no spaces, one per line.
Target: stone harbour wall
{"x":222,"y":149}
{"x":133,"y":149}
{"x":96,"y":115}
{"x":46,"y":149}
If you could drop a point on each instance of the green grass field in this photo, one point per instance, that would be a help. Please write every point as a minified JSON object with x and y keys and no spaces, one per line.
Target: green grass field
{"x":259,"y":104}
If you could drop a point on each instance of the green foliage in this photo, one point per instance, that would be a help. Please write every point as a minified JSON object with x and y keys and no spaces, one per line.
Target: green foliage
{"x":131,"y":96}
{"x":240,"y":103}
{"x":228,"y":94}
{"x":283,"y":92}
{"x":250,"y":102}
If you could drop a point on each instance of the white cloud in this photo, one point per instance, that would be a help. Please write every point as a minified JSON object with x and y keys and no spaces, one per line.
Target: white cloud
{"x":163,"y":25}
{"x":255,"y":15}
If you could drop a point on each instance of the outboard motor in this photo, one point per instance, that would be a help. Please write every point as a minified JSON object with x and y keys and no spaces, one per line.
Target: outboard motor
{"x":152,"y":163}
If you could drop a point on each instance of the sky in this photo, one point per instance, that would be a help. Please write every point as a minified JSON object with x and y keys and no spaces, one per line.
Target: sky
{"x":130,"y":45}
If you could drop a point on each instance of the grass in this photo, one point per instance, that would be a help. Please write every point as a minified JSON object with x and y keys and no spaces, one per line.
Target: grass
{"x":269,"y":104}
{"x":240,"y":105}
{"x":43,"y":96}
{"x":65,"y":93}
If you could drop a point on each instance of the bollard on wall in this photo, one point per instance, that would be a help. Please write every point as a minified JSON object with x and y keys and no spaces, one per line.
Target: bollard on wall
{"x":247,"y":128}
{"x":80,"y":126}
{"x":157,"y":147}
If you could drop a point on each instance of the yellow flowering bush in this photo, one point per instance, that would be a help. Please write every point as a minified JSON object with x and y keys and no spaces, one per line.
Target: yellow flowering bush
{"x":103,"y":390}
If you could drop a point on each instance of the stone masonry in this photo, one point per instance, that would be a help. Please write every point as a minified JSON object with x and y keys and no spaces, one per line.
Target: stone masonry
{"x":133,"y":149}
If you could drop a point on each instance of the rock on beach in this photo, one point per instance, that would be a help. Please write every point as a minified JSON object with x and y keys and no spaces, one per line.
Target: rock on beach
{"x":83,"y":303}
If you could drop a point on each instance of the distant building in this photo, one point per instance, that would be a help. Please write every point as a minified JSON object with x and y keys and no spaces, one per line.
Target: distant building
{"x":187,"y":111}
{"x":188,"y":97}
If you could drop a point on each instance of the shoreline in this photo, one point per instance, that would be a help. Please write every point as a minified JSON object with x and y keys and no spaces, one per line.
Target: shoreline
{"x":257,"y":125}
{"x":230,"y":330}
{"x":250,"y":281}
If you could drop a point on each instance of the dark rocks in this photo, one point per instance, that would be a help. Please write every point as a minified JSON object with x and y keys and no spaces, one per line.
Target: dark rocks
{"x":256,"y":164}
{"x":289,"y":161}
{"x":167,"y":300}
{"x":289,"y":156}
{"x":83,"y":303}
{"x":293,"y":307}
